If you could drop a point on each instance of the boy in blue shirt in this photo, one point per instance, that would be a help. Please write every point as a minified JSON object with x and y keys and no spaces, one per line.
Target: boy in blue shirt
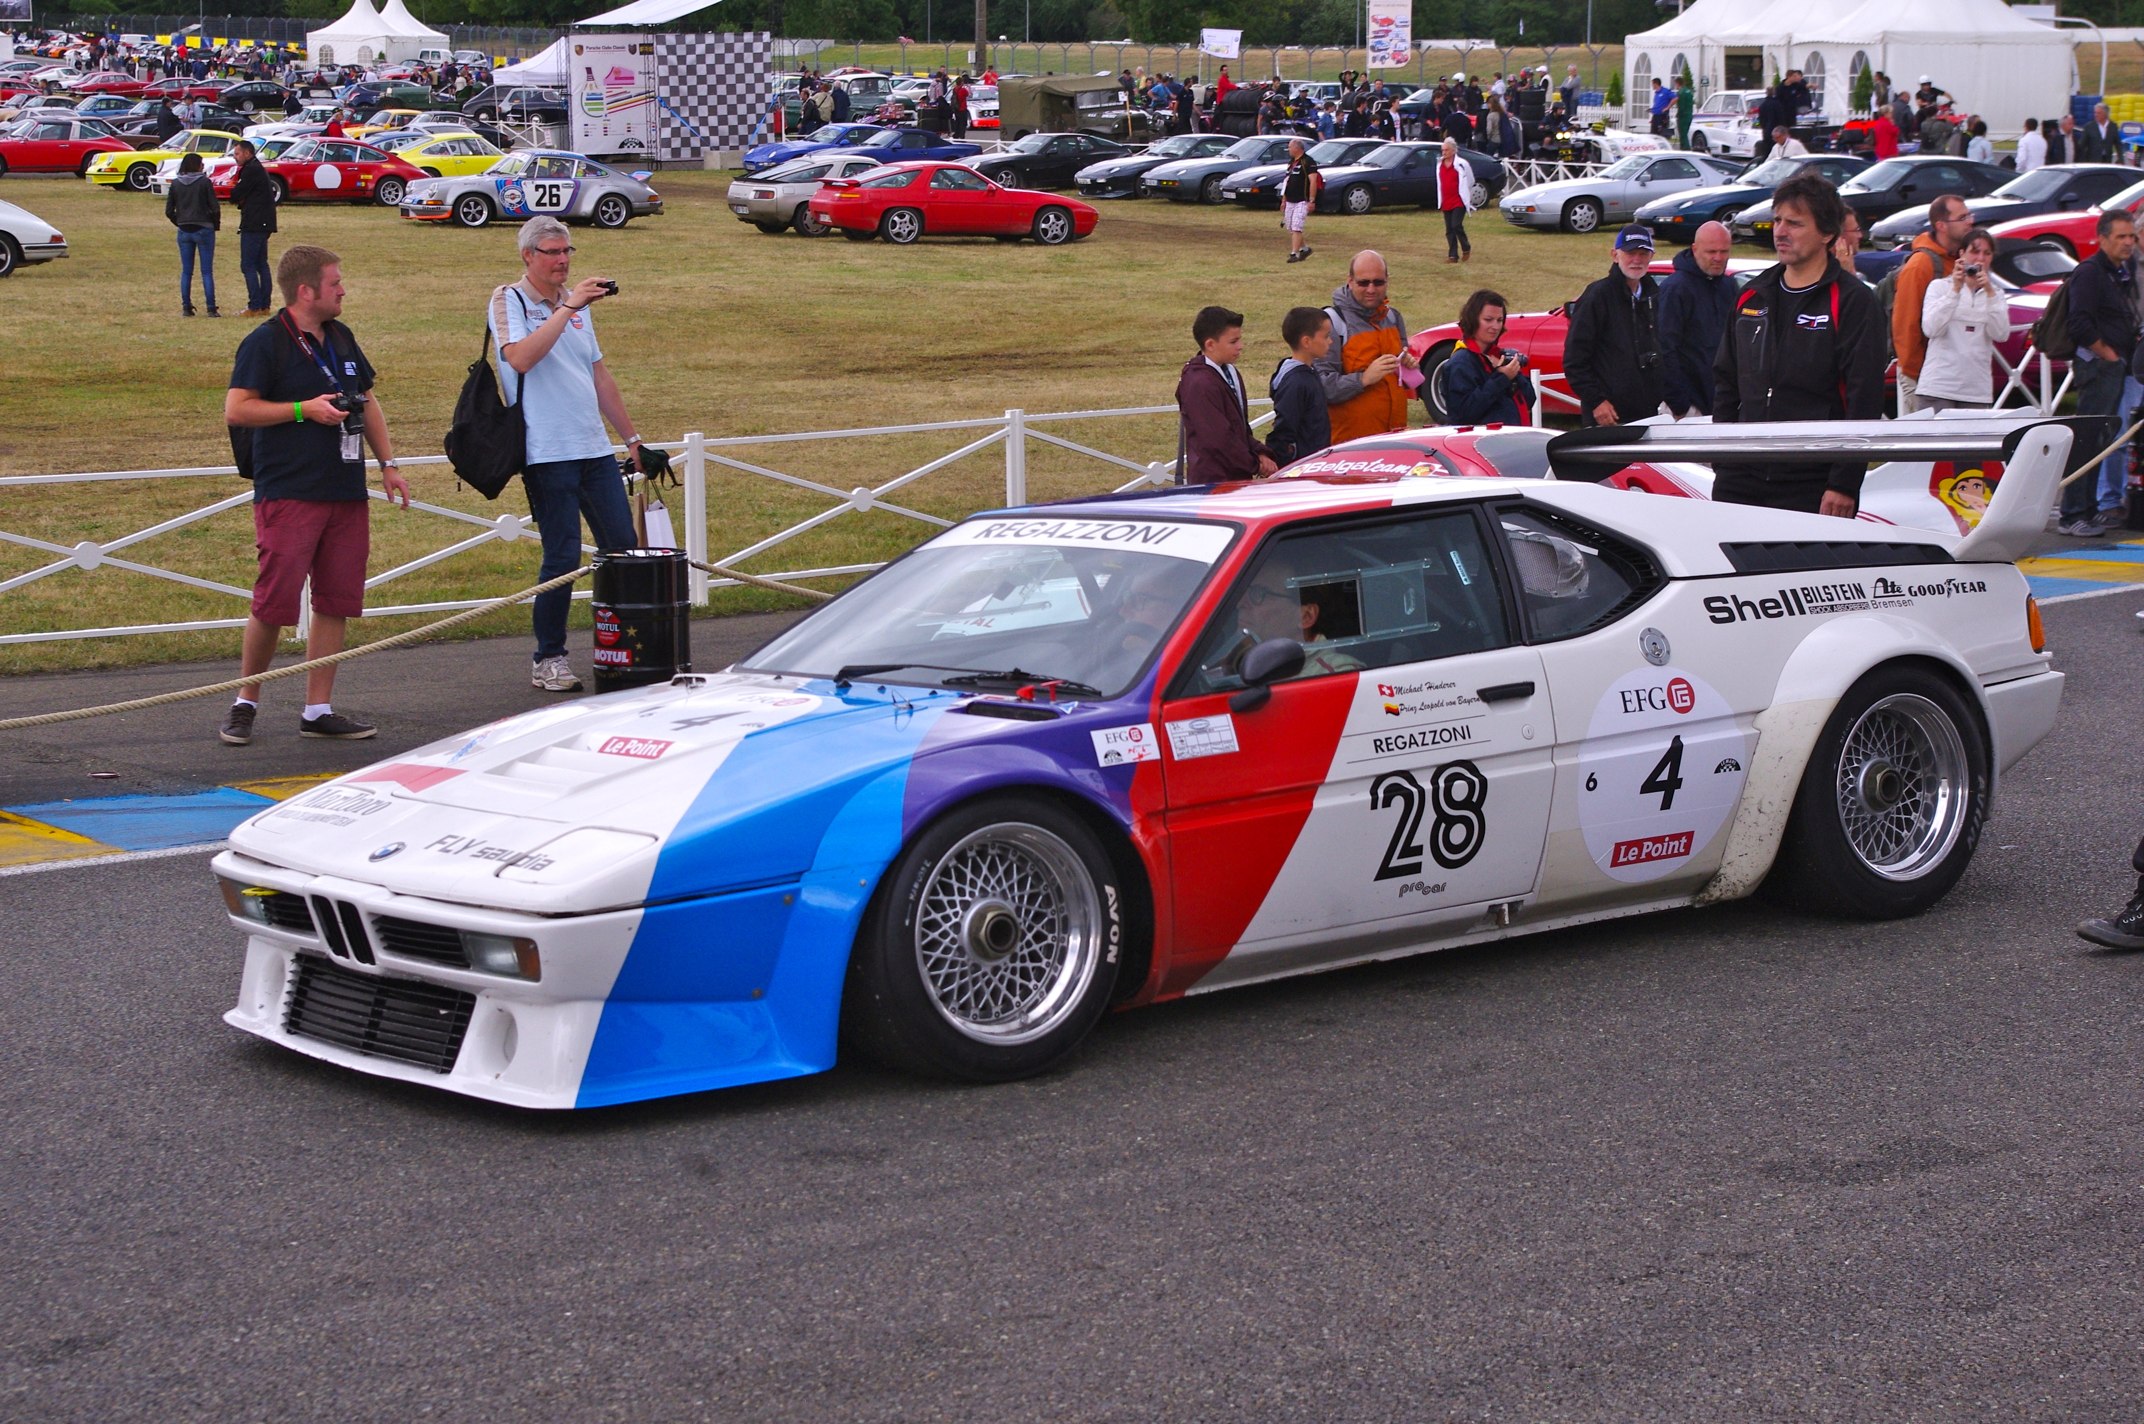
{"x":1301,"y":424}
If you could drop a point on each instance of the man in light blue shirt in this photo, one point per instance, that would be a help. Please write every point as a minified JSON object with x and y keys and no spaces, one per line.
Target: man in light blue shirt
{"x":551,"y":365}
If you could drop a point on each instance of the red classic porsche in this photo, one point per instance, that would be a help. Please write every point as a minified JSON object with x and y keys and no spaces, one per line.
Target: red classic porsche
{"x":905,"y":201}
{"x":2074,"y":233}
{"x":341,"y":170}
{"x":56,"y":143}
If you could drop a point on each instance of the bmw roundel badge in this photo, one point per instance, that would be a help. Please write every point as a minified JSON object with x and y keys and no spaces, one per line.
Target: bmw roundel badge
{"x":391,"y":848}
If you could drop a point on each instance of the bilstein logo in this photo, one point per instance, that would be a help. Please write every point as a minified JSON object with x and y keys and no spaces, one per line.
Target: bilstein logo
{"x":1676,"y":696}
{"x":1799,"y":601}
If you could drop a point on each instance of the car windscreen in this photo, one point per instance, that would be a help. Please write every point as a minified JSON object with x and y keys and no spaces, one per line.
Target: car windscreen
{"x":1175,"y":146}
{"x":1392,"y":155}
{"x":1770,"y":175}
{"x":1033,"y":143}
{"x":1629,"y":167}
{"x":1045,"y":597}
{"x":2036,"y":186}
{"x":1333,"y":150}
{"x":804,"y":171}
{"x":1249,"y":148}
{"x":1877,"y":179}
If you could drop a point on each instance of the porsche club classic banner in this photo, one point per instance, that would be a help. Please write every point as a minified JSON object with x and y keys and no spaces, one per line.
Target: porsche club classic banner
{"x":1391,"y":39}
{"x":613,"y":102}
{"x":1221,"y":44}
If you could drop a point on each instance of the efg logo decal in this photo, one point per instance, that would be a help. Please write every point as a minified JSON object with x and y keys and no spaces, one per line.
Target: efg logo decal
{"x":391,"y":848}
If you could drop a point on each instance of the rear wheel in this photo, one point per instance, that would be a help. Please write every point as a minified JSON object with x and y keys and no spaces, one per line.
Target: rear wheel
{"x":991,"y":947}
{"x":901,"y":226}
{"x":473,"y":210}
{"x":1699,"y":143}
{"x":1358,"y":200}
{"x":389,"y":192}
{"x":1582,"y":215}
{"x":808,"y":222}
{"x":2058,"y":244}
{"x":1052,"y":227}
{"x":1891,"y":802}
{"x":1432,"y":387}
{"x":10,"y":255}
{"x":611,"y":211}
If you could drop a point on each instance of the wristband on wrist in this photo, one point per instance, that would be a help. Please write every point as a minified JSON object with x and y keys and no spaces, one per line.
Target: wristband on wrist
{"x":297,"y":411}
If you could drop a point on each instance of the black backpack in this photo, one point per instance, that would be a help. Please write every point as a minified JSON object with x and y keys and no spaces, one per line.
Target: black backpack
{"x":2051,"y":333}
{"x":488,"y":442}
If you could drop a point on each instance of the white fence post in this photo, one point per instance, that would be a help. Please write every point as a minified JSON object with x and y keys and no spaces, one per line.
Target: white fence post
{"x":1015,"y":457}
{"x":696,"y":511}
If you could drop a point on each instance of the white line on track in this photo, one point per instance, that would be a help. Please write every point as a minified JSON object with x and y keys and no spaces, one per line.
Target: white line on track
{"x":118,"y":858}
{"x":2094,"y":593}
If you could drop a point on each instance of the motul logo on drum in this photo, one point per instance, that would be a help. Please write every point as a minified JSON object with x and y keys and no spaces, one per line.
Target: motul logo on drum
{"x":646,"y":748}
{"x":1677,"y":696}
{"x":1638,"y":852}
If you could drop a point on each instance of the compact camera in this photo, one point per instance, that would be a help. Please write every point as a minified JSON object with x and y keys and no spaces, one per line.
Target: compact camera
{"x":609,"y":287}
{"x":1973,"y":269}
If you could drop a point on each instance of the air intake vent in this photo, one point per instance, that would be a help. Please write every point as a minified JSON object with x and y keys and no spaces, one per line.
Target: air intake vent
{"x":435,"y":944}
{"x":285,"y":911}
{"x":399,"y":1019}
{"x":1806,"y":555}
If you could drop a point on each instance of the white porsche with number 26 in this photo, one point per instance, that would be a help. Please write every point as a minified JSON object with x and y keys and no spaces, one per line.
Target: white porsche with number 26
{"x":1113,"y":752}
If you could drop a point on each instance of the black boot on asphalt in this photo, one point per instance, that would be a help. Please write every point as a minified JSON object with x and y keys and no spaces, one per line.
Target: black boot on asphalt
{"x":2124,"y":931}
{"x":337,"y":727}
{"x":237,"y":728}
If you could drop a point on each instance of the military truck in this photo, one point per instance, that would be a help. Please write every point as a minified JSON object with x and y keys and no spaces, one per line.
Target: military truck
{"x":1064,"y":103}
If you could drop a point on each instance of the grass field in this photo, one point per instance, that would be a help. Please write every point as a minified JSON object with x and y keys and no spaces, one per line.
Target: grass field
{"x":718,"y":328}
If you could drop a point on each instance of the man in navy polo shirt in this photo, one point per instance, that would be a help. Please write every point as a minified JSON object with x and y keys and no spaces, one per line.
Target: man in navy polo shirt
{"x":310,"y":509}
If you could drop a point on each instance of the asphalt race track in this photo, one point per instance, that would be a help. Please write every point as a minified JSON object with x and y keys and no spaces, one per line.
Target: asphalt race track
{"x":1730,"y":1164}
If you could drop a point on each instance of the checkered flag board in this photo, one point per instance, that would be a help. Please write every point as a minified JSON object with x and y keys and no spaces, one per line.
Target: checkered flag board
{"x":714,"y":91}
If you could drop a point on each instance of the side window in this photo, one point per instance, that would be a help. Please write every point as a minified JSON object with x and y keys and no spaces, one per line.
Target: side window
{"x":958,"y":178}
{"x":1572,"y":579}
{"x":1674,"y":168}
{"x":553,"y":168}
{"x":1362,"y":596}
{"x":917,"y":140}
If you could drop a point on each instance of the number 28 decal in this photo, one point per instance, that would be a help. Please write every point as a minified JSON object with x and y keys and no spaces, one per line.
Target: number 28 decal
{"x":1456,"y":798}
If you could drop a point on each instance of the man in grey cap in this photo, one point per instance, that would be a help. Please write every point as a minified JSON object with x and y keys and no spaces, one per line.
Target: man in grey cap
{"x":1611,"y":352}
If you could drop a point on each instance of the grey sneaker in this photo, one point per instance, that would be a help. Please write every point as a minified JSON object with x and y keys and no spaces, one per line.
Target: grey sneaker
{"x":237,"y":728}
{"x":553,"y":675}
{"x":2113,"y":518}
{"x":2086,"y":528}
{"x":336,"y":727}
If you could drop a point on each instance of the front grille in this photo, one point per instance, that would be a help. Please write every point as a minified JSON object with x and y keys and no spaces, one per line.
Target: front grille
{"x":342,"y":929}
{"x":434,"y":943}
{"x":285,"y":911}
{"x":399,"y":1019}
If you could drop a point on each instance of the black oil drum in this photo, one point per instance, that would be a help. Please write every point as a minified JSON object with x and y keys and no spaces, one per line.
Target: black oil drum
{"x":642,"y":635}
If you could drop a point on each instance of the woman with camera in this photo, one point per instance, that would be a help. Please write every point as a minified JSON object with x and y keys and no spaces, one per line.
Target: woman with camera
{"x":1483,"y":384}
{"x":1964,"y":315}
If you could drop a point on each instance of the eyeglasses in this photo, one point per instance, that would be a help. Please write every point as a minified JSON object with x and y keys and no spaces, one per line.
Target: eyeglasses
{"x":1367,"y":281}
{"x":554,"y":251}
{"x":1258,"y":596}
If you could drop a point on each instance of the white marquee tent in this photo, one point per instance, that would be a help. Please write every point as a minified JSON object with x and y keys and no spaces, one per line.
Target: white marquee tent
{"x":546,"y":70}
{"x":1996,"y":63}
{"x":364,"y":35}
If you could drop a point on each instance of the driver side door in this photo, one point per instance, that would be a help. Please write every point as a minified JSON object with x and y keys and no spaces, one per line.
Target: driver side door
{"x":1393,"y":791}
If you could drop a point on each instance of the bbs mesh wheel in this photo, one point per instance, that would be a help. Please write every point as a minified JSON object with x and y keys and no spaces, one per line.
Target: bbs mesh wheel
{"x":991,"y":947}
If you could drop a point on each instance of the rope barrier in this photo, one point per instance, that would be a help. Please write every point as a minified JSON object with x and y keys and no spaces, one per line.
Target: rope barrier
{"x":2092,"y":464}
{"x":401,"y":639}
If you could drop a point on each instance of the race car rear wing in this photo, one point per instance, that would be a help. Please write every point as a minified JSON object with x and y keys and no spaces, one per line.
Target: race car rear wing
{"x":2034,"y":450}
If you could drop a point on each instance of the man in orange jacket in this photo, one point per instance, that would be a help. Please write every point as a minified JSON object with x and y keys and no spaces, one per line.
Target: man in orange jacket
{"x":1360,"y":370}
{"x":1949,"y":220}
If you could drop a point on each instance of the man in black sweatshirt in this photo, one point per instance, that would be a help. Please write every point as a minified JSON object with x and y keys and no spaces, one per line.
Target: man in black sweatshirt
{"x":254,"y":193}
{"x":1806,"y":342}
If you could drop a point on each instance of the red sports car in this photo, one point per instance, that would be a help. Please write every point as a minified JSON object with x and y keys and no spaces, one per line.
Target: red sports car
{"x":176,"y":89}
{"x":341,"y":170}
{"x":1540,"y":335}
{"x":2074,"y":233}
{"x":904,"y":201}
{"x":58,"y":143}
{"x":109,"y":81}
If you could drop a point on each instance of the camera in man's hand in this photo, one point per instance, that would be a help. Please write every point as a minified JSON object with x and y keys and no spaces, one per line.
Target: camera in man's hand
{"x":609,"y":287}
{"x":346,"y":403}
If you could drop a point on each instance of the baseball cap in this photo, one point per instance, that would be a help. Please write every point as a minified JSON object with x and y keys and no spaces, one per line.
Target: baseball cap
{"x":1635,"y":238}
{"x":1926,"y":80}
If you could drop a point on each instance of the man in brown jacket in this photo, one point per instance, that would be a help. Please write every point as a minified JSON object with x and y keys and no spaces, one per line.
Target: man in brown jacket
{"x":1949,"y":220}
{"x":1216,"y":441}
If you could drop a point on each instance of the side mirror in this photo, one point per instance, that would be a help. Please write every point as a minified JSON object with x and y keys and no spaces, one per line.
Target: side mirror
{"x":1274,"y":660}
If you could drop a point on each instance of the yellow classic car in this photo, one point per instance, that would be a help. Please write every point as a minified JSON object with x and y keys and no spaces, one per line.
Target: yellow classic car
{"x":381,"y":121}
{"x":450,"y":155}
{"x":134,"y":168}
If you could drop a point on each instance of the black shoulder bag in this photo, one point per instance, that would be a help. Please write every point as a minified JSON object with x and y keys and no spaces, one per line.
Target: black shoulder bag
{"x":488,"y":442}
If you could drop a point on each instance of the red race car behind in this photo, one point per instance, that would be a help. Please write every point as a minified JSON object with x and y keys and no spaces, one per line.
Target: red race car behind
{"x":905,"y":201}
{"x":341,"y":170}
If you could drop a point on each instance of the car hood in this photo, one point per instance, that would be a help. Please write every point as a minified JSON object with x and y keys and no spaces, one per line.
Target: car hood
{"x":1259,"y":172}
{"x":728,"y":780}
{"x":1704,"y":197}
{"x":1561,"y":188}
{"x":1130,"y":164}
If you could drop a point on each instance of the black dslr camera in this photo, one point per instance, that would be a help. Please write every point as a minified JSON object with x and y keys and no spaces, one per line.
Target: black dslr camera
{"x":347,"y":404}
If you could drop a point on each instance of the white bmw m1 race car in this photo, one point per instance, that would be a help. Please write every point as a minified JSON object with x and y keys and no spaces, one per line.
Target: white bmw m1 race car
{"x":1120,"y":750}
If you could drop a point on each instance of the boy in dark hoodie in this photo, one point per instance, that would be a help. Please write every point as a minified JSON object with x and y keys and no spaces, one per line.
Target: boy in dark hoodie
{"x":1215,"y":441}
{"x":192,"y":207}
{"x":1301,"y":424}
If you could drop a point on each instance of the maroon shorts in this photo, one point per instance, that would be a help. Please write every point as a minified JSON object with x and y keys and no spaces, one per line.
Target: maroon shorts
{"x":327,"y":540}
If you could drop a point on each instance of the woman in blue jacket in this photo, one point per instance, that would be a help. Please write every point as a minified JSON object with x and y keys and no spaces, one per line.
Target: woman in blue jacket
{"x":1483,"y":384}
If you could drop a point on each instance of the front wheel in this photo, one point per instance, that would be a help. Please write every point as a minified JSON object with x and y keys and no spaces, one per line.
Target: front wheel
{"x":1357,"y":200}
{"x":281,"y":186}
{"x":992,"y":946}
{"x":2058,"y":244}
{"x":1053,"y":226}
{"x":389,"y":192}
{"x":10,"y":255}
{"x":138,"y":176}
{"x":1699,"y":143}
{"x":1478,"y":195}
{"x":1583,"y":215}
{"x":901,"y":226}
{"x":611,"y":211}
{"x":1726,"y":216}
{"x":472,"y":210}
{"x":1210,"y":190}
{"x":1432,"y":384}
{"x":1891,"y":802}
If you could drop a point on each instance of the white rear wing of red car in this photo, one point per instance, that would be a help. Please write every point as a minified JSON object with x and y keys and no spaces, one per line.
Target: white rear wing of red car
{"x":2035,"y":450}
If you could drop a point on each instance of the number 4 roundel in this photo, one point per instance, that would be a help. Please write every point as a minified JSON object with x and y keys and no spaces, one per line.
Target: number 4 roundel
{"x":1660,"y":773}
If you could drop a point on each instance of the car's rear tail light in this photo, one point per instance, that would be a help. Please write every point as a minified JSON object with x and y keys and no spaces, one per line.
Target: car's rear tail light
{"x":2034,"y":626}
